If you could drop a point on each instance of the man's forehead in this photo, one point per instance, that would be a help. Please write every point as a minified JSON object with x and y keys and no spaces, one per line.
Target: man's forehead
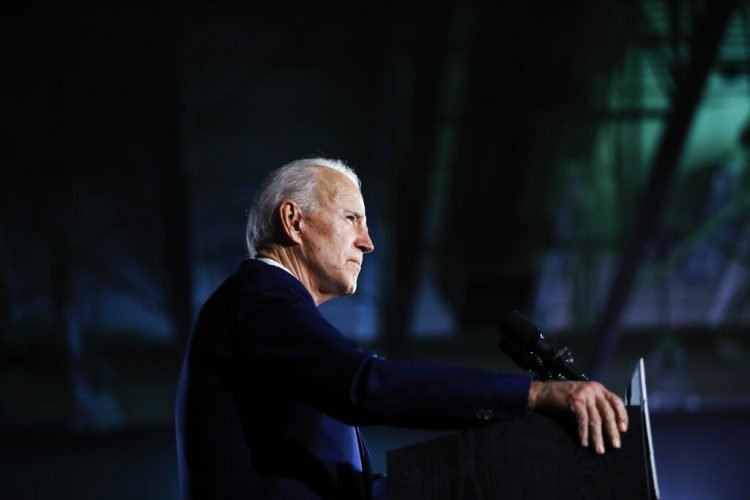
{"x":336,"y":187}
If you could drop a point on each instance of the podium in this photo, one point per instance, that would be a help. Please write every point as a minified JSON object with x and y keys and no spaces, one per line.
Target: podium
{"x":535,"y":457}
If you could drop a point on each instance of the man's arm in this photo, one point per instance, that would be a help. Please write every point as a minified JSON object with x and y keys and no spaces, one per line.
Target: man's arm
{"x":281,"y":337}
{"x":595,"y":408}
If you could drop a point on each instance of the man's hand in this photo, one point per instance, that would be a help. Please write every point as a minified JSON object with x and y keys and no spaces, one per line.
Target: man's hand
{"x":595,"y":408}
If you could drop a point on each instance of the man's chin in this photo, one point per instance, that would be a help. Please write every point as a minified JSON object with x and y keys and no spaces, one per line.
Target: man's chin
{"x":349,"y":288}
{"x":344,"y":287}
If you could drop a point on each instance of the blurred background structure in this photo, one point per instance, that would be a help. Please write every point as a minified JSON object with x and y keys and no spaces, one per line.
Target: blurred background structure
{"x":583,"y":162}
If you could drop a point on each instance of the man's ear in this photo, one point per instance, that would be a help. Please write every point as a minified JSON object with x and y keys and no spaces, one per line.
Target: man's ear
{"x":291,"y":219}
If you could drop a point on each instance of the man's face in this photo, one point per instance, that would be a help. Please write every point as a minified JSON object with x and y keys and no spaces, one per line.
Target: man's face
{"x":335,"y":238}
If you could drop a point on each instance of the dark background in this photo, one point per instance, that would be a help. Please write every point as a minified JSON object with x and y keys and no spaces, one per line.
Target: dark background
{"x":583,"y":162}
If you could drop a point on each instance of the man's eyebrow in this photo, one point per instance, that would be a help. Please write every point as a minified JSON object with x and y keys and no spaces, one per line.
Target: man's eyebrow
{"x":355,"y":213}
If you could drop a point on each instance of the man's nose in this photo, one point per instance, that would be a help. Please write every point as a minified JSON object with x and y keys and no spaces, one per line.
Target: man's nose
{"x":364,"y":243}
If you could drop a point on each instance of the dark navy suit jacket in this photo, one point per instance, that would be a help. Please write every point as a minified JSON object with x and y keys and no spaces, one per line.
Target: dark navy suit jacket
{"x":271,"y":393}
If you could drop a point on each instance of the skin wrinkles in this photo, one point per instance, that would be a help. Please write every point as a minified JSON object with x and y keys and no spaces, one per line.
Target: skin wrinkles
{"x":596,"y":409}
{"x":326,"y":247}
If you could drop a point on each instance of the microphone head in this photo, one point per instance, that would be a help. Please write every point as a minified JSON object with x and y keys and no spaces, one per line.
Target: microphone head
{"x":520,"y":330}
{"x":522,"y":357}
{"x":524,"y":342}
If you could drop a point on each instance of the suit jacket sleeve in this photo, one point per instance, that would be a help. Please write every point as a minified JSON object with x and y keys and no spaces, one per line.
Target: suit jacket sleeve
{"x":283,"y":340}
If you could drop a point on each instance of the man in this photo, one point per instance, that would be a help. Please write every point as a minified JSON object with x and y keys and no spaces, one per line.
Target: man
{"x":271,"y":393}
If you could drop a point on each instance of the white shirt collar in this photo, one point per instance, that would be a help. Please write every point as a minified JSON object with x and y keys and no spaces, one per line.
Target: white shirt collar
{"x":272,"y":262}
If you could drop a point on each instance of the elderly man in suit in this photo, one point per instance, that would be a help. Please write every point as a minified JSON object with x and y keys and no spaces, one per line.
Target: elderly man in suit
{"x":271,"y":394}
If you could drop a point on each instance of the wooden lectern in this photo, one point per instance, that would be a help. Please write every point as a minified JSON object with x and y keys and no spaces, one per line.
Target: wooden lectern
{"x":535,"y":457}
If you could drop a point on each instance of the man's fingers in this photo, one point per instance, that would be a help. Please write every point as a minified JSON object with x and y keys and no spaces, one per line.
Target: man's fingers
{"x":622,"y":413}
{"x":610,"y":422}
{"x":583,"y":425}
{"x":599,"y":413}
{"x":595,"y":426}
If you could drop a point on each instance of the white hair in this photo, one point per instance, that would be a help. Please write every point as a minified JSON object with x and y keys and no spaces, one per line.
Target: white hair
{"x":296,"y":181}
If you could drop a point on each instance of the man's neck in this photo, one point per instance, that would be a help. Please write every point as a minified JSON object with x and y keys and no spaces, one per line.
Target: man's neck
{"x":290,"y":261}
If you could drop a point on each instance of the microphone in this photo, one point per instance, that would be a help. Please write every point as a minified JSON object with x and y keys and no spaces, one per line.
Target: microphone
{"x":525,"y":344}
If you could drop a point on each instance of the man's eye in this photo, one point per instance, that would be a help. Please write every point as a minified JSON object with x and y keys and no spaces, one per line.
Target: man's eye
{"x":351,"y":218}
